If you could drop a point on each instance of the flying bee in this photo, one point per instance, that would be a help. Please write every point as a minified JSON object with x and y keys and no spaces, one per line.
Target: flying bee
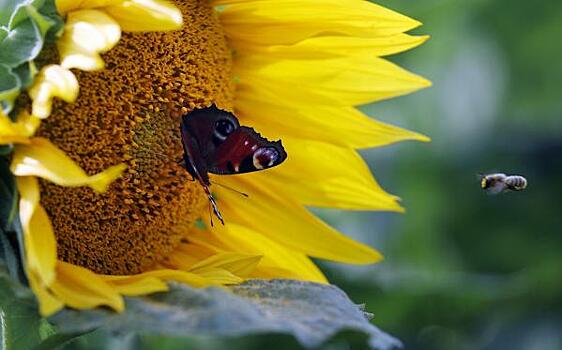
{"x":497,"y":183}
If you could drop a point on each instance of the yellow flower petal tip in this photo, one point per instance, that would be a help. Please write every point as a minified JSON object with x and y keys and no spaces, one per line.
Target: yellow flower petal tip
{"x":397,"y":208}
{"x":52,"y":81}
{"x":146,"y":15}
{"x":80,"y":288}
{"x":422,"y":39}
{"x":101,"y":181}
{"x":87,"y":33}
{"x":136,"y":286}
{"x":43,"y":159}
{"x":48,"y":303}
{"x":18,"y":131}
{"x":236,"y":263}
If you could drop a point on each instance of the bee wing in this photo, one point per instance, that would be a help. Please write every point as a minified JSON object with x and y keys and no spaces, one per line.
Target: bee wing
{"x":498,"y":187}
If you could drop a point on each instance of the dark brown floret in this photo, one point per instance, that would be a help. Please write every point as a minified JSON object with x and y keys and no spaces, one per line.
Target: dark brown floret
{"x":130,"y":113}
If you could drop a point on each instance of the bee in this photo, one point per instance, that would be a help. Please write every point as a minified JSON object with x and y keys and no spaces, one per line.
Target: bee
{"x":497,"y":183}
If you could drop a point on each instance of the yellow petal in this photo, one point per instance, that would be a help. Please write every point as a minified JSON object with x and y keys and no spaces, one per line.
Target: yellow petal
{"x":323,"y":175}
{"x":12,"y":139}
{"x":277,"y":260}
{"x":188,"y":278}
{"x":43,"y":159}
{"x":187,"y":255}
{"x":346,"y":81}
{"x":297,"y":228}
{"x":39,"y":238}
{"x":80,"y":288}
{"x":196,"y":251}
{"x":52,"y":81}
{"x":28,"y":188}
{"x":343,"y":126}
{"x":41,"y":246}
{"x":27,"y":123}
{"x":220,"y":276}
{"x":146,"y":15}
{"x":19,"y":131}
{"x":333,"y":46}
{"x":64,"y":6}
{"x":48,"y":303}
{"x":136,"y":286}
{"x":236,"y":263}
{"x":87,"y":33}
{"x":209,"y":258}
{"x":289,"y":21}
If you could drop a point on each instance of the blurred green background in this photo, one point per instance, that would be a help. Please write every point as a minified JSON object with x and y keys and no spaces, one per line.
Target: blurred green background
{"x":463,"y":270}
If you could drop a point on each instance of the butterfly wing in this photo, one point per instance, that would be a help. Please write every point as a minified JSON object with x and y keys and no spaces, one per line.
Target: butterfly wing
{"x":202,"y":131}
{"x":213,"y":141}
{"x":245,"y":151}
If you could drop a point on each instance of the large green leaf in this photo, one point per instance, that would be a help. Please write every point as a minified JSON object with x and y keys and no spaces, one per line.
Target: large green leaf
{"x":21,"y":327}
{"x":312,"y":313}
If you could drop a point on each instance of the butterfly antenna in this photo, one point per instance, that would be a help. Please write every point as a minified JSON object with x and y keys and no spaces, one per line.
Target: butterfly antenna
{"x":230,"y":188}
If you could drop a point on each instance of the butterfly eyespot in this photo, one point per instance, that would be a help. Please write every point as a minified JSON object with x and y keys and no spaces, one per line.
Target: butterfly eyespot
{"x":223,"y":128}
{"x":265,"y":157}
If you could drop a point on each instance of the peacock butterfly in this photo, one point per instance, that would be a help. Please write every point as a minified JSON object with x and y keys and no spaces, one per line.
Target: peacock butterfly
{"x":215,"y":142}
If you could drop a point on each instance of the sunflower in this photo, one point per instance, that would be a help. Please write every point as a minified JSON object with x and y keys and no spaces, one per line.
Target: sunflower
{"x":292,"y":69}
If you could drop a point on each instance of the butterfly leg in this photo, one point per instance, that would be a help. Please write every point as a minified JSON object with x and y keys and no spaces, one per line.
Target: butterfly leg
{"x":215,"y":209}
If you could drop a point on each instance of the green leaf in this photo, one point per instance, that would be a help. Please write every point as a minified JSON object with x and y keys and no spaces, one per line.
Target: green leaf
{"x":312,"y":313}
{"x":11,"y":243}
{"x":20,"y":324}
{"x":10,"y":257}
{"x":10,"y":84}
{"x":43,"y":23}
{"x":7,"y":8}
{"x":5,"y":150}
{"x":25,"y":27}
{"x":22,"y":44}
{"x":25,"y":73}
{"x":3,"y":33}
{"x":20,"y":11}
{"x":49,"y":10}
{"x":21,"y":327}
{"x":8,"y":194}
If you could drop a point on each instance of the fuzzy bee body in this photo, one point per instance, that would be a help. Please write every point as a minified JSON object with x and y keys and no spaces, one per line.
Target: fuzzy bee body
{"x":516,"y":183}
{"x":499,"y":182}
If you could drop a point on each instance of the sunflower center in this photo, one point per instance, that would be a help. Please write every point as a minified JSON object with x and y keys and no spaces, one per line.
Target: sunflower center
{"x":130,"y":113}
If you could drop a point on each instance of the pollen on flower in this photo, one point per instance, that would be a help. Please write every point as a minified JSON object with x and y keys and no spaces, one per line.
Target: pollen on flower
{"x":130,"y":113}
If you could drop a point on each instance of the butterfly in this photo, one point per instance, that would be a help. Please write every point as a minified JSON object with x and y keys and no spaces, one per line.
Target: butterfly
{"x":215,"y":142}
